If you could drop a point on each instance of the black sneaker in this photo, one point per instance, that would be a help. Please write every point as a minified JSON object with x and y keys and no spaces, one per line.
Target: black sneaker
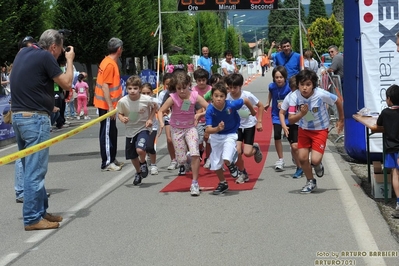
{"x":221,"y":188}
{"x":233,"y":170}
{"x":182,"y":170}
{"x":144,"y":169}
{"x":137,"y":179}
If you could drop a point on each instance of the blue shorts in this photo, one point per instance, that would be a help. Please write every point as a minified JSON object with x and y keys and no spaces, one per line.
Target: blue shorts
{"x":139,"y":141}
{"x":391,"y":160}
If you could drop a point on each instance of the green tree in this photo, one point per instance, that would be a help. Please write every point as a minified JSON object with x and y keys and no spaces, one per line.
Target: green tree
{"x":317,"y":9}
{"x":19,"y":18}
{"x":232,"y":41}
{"x":276,"y":23}
{"x":211,"y":34}
{"x":325,"y":32}
{"x":91,"y":29}
{"x":338,"y":10}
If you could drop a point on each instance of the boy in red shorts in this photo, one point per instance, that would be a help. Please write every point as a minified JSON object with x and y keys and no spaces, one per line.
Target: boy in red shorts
{"x":308,"y":106}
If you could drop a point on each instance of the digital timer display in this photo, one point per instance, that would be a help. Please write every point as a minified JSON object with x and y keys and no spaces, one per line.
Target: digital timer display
{"x":226,"y":5}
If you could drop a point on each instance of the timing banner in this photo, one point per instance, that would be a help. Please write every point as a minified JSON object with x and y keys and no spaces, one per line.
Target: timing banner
{"x":379,"y":22}
{"x":226,"y":5}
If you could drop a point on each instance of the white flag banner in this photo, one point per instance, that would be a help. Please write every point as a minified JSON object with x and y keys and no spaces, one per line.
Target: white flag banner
{"x":379,"y":22}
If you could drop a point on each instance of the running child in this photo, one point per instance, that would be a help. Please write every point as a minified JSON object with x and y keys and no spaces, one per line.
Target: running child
{"x":308,"y":105}
{"x":183,"y":120}
{"x":136,"y":111}
{"x":249,"y":124}
{"x":146,"y":89}
{"x":202,"y":87}
{"x":278,"y":89}
{"x":291,"y":131}
{"x":389,"y":119}
{"x":82,"y":90}
{"x":165,"y":81}
{"x":222,"y":121}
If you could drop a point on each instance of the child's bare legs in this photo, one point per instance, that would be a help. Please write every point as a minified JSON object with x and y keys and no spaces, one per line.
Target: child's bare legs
{"x":303,"y":156}
{"x":240,"y":161}
{"x":395,"y":184}
{"x":153,"y":158}
{"x":171,"y":148}
{"x":195,"y":164}
{"x":279,"y":148}
{"x":220,"y":175}
{"x":295,"y":155}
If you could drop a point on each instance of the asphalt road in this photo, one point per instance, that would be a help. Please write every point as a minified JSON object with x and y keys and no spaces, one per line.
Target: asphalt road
{"x":108,"y":221}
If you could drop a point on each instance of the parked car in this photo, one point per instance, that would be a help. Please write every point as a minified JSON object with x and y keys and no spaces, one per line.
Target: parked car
{"x":326,"y":60}
{"x":241,"y":61}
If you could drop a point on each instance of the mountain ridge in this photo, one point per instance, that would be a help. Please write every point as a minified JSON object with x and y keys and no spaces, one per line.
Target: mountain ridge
{"x":258,"y":19}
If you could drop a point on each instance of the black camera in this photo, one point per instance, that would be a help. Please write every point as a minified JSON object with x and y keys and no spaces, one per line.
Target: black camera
{"x":61,"y":59}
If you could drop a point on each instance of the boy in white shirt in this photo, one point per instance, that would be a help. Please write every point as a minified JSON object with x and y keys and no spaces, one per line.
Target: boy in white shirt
{"x":136,"y":111}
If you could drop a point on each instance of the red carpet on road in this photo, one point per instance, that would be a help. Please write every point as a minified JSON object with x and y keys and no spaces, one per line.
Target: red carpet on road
{"x":208,"y":180}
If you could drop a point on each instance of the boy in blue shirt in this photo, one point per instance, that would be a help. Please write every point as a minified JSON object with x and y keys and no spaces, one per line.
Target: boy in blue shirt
{"x":222,"y":120}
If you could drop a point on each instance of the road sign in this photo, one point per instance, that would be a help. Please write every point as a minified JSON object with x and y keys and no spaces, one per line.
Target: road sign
{"x":226,"y":5}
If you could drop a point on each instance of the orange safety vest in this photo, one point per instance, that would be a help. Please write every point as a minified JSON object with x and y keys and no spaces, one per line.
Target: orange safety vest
{"x":115,"y":88}
{"x":265,"y":60}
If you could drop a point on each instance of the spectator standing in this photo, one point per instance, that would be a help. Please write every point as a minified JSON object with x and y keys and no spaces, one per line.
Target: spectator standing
{"x":265,"y":62}
{"x":272,"y":56}
{"x":309,"y":62}
{"x":4,"y":79}
{"x":179,"y":65}
{"x":107,"y":93}
{"x":34,"y":72}
{"x":205,"y":61}
{"x":389,"y":119}
{"x":337,"y":63}
{"x":190,"y":70}
{"x":287,"y":58}
{"x":170,"y":68}
{"x":228,"y":65}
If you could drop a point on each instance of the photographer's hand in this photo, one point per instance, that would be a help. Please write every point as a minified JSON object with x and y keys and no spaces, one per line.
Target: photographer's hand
{"x":69,"y":53}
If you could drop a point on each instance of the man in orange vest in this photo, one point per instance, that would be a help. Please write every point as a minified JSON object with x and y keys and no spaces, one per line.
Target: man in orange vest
{"x":107,"y":93}
{"x":264,"y":64}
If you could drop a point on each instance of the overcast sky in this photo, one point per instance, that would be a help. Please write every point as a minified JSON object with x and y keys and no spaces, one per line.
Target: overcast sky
{"x":308,"y":1}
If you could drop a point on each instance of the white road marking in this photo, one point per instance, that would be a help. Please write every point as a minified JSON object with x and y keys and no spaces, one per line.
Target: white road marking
{"x":358,"y":223}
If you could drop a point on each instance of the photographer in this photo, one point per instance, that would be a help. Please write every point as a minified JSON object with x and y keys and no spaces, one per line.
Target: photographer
{"x":35,"y":70}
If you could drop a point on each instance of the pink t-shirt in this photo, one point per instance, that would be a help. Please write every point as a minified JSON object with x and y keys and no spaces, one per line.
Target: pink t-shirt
{"x":190,"y":67}
{"x":81,"y":88}
{"x":183,"y":111}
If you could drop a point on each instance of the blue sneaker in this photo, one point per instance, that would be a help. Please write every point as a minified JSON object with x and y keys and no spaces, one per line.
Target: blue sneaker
{"x":298,"y":173}
{"x":309,"y":187}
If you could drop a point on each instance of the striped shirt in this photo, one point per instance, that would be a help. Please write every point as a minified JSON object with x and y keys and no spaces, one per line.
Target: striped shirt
{"x":317,"y":117}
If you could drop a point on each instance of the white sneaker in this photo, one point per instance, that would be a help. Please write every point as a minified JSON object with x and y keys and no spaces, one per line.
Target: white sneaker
{"x":87,"y":117}
{"x":172,"y":165}
{"x":78,"y":117}
{"x":67,"y":122}
{"x":207,"y":164}
{"x":194,"y":189}
{"x":279,"y":165}
{"x":111,"y":167}
{"x":153,"y":170}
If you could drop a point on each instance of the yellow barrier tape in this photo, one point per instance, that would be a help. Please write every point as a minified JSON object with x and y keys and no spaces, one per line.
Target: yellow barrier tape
{"x":45,"y":144}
